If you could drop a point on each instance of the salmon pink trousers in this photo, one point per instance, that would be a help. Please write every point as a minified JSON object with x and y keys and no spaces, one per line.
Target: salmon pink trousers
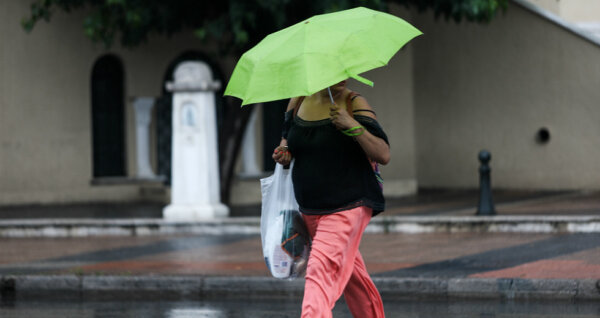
{"x":335,"y":266}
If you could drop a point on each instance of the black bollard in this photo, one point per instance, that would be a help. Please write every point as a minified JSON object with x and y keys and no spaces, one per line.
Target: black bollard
{"x":486,"y":204}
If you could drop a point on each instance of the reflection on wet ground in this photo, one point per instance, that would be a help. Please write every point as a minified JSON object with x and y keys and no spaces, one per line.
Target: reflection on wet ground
{"x":291,"y":308}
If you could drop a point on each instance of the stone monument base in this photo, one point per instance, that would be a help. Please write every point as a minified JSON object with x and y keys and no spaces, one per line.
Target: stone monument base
{"x":182,"y":212}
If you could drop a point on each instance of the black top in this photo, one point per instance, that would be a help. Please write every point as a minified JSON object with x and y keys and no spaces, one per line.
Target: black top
{"x":331,"y":171}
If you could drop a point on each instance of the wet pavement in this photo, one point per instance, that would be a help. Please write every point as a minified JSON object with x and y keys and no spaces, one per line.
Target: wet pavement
{"x":464,"y":202}
{"x":468,"y":254}
{"x":492,"y":264}
{"x":446,"y":255}
{"x":402,"y":308}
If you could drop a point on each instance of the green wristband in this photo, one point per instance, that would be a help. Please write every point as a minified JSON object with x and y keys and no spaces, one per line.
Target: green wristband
{"x":349,"y":132}
{"x":351,"y":129}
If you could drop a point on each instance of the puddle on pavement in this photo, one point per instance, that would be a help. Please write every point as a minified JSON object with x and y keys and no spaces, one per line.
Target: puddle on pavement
{"x":290,"y":308}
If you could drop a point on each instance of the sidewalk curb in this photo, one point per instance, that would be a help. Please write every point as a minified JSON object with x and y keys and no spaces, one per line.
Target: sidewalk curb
{"x":251,"y":225}
{"x":249,"y":287}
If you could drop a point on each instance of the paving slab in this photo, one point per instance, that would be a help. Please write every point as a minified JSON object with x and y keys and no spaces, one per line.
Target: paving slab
{"x":469,"y":264}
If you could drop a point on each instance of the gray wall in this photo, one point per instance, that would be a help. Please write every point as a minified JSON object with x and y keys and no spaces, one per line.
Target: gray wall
{"x":493,"y":86}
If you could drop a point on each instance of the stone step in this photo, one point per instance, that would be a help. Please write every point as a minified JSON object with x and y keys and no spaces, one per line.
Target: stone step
{"x":248,"y":287}
{"x":251,"y":225}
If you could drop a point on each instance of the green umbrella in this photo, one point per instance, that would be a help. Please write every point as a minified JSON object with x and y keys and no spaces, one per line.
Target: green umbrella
{"x":318,"y":52}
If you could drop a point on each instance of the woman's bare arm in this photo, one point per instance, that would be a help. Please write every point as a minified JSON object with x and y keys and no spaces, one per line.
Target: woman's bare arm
{"x":375,"y":148}
{"x":281,"y":155}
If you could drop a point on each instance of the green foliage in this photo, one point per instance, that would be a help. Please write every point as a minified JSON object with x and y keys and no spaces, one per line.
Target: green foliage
{"x":235,"y":24}
{"x":471,"y":10}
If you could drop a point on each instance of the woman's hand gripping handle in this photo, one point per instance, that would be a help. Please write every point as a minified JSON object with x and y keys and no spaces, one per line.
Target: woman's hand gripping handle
{"x":281,"y":154}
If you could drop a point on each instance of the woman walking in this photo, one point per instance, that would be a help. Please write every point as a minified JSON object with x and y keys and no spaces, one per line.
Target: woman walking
{"x":335,"y":140}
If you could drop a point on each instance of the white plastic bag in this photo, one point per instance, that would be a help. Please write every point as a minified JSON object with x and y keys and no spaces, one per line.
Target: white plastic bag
{"x":285,"y":240}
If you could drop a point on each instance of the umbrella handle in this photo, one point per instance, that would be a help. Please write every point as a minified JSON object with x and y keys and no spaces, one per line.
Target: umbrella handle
{"x":330,"y":96}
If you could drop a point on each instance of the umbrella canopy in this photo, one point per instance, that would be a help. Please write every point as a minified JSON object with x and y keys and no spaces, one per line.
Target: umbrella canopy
{"x":318,"y":52}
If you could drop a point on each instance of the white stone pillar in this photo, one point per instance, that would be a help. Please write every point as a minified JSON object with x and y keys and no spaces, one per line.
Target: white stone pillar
{"x":195,"y":190}
{"x":250,"y":167}
{"x":143,"y":117}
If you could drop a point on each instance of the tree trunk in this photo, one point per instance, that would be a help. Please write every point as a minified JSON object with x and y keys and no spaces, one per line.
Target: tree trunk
{"x":230,"y":141}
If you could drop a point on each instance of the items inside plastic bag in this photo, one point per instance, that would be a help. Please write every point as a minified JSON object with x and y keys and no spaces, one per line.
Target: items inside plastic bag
{"x":287,"y":245}
{"x":285,"y":239}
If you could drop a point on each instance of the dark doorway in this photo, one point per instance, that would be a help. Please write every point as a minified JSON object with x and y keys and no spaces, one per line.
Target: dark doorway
{"x":108,"y":112}
{"x":273,"y":113}
{"x":164,"y":135}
